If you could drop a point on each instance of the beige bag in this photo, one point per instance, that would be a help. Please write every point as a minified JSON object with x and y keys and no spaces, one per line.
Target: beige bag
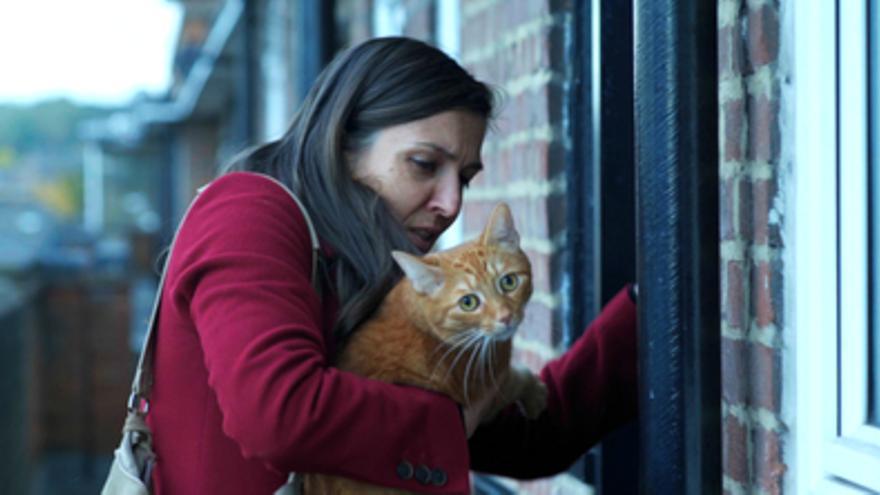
{"x":134,"y":459}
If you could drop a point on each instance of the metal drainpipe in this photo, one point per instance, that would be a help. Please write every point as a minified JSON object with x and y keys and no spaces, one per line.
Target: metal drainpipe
{"x":677,"y":222}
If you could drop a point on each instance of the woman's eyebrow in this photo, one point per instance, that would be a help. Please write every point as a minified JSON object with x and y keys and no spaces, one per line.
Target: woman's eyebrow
{"x":437,"y":147}
{"x":449,"y":154}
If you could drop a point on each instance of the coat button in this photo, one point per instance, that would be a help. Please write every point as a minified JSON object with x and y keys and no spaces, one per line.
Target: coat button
{"x":423,"y":474}
{"x":405,"y":470}
{"x":438,"y":477}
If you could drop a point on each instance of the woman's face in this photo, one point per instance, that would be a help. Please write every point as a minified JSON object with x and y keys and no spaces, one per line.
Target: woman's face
{"x":420,"y":169}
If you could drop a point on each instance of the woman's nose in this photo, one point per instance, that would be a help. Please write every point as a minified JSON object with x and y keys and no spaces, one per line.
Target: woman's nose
{"x":446,"y":199}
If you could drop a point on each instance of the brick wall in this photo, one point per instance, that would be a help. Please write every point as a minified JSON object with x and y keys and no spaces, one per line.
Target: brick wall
{"x":518,"y":46}
{"x":751,"y":245}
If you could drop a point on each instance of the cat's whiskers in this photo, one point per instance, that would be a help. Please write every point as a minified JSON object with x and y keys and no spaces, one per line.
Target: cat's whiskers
{"x":490,"y":353}
{"x":450,"y":343}
{"x":485,"y":369}
{"x":476,"y":359}
{"x":461,"y":340}
{"x":479,"y":368}
{"x":466,"y":342}
{"x":473,"y":339}
{"x":467,"y":369}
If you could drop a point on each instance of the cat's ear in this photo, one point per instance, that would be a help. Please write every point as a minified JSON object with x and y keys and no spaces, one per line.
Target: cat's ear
{"x":425,"y":279}
{"x":500,"y":229}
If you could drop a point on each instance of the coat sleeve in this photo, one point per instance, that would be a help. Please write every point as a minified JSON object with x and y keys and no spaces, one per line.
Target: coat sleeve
{"x":243,"y":268}
{"x":592,"y":390}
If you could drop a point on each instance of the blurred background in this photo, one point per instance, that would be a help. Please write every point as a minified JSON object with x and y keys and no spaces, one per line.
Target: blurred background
{"x":80,"y":222}
{"x":80,"y":210}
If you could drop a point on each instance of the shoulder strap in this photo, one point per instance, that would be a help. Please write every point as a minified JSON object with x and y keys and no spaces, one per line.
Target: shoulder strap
{"x":143,"y":376}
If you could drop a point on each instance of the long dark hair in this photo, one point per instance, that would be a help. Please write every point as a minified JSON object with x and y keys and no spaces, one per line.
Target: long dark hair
{"x":380,"y":83}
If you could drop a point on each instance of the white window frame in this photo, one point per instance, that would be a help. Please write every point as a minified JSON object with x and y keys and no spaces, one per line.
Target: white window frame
{"x":837,"y":450}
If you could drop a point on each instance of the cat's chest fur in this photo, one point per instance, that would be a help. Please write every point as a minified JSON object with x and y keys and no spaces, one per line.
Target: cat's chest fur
{"x":395,"y":347}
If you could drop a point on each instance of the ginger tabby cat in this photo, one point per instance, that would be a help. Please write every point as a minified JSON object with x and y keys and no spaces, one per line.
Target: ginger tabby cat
{"x":448,"y":325}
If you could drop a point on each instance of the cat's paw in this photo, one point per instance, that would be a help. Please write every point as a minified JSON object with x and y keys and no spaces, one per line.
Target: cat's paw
{"x":533,"y":399}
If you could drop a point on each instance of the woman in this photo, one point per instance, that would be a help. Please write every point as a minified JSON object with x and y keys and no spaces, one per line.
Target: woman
{"x":379,"y":153}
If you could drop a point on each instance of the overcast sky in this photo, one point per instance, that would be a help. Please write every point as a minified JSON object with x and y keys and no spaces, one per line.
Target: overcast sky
{"x":93,"y":51}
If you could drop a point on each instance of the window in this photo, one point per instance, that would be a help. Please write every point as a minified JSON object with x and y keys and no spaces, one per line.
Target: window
{"x":874,"y":195}
{"x":836,"y":429}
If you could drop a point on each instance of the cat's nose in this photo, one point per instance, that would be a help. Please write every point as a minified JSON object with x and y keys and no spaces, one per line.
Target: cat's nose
{"x":506,"y":318}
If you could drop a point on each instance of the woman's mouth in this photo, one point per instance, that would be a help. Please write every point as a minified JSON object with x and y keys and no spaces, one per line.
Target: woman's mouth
{"x":423,"y":239}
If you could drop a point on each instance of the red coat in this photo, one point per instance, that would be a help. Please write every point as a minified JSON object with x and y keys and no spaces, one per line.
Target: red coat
{"x":243,"y":392}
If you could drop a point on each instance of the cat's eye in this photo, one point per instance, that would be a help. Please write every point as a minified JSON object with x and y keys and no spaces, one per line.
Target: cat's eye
{"x":469,"y":302}
{"x":508,"y":282}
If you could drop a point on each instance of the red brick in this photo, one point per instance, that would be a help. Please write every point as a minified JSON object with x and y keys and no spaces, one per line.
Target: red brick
{"x":734,"y":139}
{"x":768,"y":464}
{"x":762,"y":300}
{"x":763,"y":191}
{"x":763,"y":142}
{"x":763,"y":34}
{"x":745,"y":209}
{"x":730,"y":50}
{"x":734,"y":450}
{"x":734,"y":307}
{"x":764,"y":377}
{"x":734,"y":378}
{"x":530,"y":109}
{"x":728,"y":190}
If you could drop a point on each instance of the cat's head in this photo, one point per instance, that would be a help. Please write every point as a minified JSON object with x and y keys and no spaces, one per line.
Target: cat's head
{"x":477,"y":289}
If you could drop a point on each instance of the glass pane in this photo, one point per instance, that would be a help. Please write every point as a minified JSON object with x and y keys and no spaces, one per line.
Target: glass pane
{"x":874,"y":195}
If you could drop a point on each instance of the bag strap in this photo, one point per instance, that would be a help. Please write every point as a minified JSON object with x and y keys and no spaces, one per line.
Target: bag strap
{"x":138,"y":401}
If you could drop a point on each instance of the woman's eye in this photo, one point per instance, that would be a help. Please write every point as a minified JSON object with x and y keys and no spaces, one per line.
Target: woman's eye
{"x":508,"y":282}
{"x":424,"y":165}
{"x":469,"y":302}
